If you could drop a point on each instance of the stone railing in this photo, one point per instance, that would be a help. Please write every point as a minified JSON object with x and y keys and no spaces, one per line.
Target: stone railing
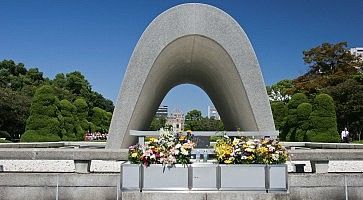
{"x":319,"y":158}
{"x":82,"y":153}
{"x":82,"y":157}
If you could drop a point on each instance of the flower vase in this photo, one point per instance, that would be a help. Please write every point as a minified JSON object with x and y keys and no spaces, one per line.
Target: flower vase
{"x":130,"y":176}
{"x":160,"y":177}
{"x":278,"y":180}
{"x":247,"y":177}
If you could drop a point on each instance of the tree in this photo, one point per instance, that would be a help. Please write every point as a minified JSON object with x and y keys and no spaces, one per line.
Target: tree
{"x":281,"y":91}
{"x":279,"y":112}
{"x":348,"y":98}
{"x":101,"y":119}
{"x":210,"y":124}
{"x":157,"y":123}
{"x":68,"y":120}
{"x":43,"y":123}
{"x":323,"y":120}
{"x":96,"y":99}
{"x":77,"y":84}
{"x":330,"y":58}
{"x":193,"y":120}
{"x":303,"y":112}
{"x":291,"y":122}
{"x":14,"y":110}
{"x":18,"y":86}
{"x":10,"y":74}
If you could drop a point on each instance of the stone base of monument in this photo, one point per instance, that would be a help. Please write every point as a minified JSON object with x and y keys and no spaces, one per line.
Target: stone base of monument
{"x":204,"y":177}
{"x":203,"y":195}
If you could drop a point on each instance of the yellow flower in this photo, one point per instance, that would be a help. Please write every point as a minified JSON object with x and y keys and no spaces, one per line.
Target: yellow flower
{"x":186,"y":146}
{"x":152,"y":139}
{"x":263,"y":150}
{"x":228,"y":161}
{"x":235,"y":141}
{"x":182,"y":138}
{"x":134,"y":155}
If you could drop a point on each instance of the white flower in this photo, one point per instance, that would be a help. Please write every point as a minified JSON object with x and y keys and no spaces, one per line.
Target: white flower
{"x":176,"y":152}
{"x":178,"y":146}
{"x":275,"y":156}
{"x":184,"y":152}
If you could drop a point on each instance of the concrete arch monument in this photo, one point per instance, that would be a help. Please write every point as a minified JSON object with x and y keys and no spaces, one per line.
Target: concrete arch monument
{"x":198,"y":44}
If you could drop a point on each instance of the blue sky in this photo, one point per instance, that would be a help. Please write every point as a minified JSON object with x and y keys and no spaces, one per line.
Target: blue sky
{"x":98,"y":37}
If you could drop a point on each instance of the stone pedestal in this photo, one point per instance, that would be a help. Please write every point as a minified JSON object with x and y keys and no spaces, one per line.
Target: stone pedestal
{"x":220,"y":195}
{"x":319,"y":166}
{"x":82,"y":166}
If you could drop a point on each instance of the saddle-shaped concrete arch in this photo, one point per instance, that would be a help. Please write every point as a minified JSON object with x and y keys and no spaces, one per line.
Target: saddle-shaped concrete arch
{"x":197,"y":44}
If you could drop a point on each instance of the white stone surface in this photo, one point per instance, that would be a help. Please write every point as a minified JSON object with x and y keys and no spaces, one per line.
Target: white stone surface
{"x":114,"y":166}
{"x":57,"y":165}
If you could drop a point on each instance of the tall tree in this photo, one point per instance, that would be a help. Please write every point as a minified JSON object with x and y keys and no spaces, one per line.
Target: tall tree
{"x":348,"y":98}
{"x":193,"y":120}
{"x":101,"y":119}
{"x":281,"y":91}
{"x":330,"y":58}
{"x":157,"y":123}
{"x":14,"y":110}
{"x":77,"y":84}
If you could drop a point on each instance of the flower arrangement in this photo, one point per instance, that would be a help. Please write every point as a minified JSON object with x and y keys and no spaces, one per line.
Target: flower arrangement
{"x":169,"y":149}
{"x":249,"y":151}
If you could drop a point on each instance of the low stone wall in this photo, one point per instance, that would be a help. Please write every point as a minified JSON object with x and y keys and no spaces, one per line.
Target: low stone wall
{"x":329,"y":186}
{"x":104,"y":186}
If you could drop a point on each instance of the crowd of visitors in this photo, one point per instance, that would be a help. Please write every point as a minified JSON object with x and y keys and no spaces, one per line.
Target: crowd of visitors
{"x":95,"y":136}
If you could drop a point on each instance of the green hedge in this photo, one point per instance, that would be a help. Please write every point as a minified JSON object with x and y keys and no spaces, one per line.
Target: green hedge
{"x":323,"y":121}
{"x":34,"y":136}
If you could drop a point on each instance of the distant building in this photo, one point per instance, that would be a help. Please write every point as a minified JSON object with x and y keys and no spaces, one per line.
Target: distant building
{"x":162,"y":112}
{"x":212,"y":113}
{"x":358,"y":51}
{"x":176,"y":120}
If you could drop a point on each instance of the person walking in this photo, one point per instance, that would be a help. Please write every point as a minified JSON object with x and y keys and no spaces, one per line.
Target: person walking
{"x":345,"y":135}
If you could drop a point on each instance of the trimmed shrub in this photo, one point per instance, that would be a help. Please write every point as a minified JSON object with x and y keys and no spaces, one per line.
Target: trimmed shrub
{"x":296,"y":100}
{"x":303,"y":112}
{"x":323,"y":120}
{"x":279,"y":112}
{"x":34,"y":136}
{"x":67,"y":120}
{"x":43,"y":123}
